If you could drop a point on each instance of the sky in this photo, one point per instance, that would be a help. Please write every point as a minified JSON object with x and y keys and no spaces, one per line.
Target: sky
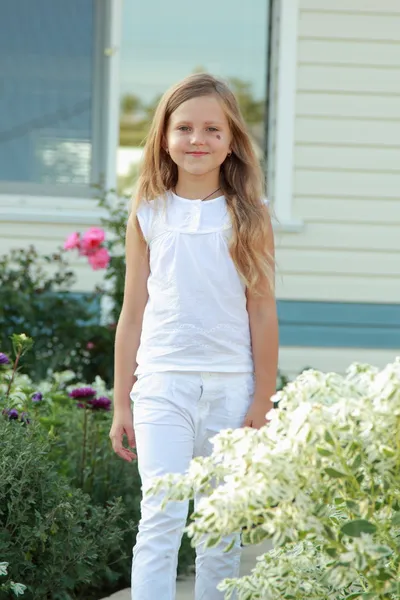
{"x":163,"y":41}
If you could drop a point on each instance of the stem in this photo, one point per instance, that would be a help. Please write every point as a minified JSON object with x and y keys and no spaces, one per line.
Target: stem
{"x":13,"y":373}
{"x":84,"y":445}
{"x":93,"y":453}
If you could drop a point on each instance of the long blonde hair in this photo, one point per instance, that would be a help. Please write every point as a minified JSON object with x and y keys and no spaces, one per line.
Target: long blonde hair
{"x":241,"y":177}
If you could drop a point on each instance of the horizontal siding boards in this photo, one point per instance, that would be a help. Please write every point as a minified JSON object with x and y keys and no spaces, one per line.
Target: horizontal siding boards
{"x":349,"y":79}
{"x":344,"y":236}
{"x":349,"y":53}
{"x":346,"y":159}
{"x":338,"y":262}
{"x":332,"y":324}
{"x":360,"y":210}
{"x":347,"y":183}
{"x":340,"y":131}
{"x":340,"y":288}
{"x":347,"y":106}
{"x":349,"y":26}
{"x":389,"y":7}
{"x":362,"y":159}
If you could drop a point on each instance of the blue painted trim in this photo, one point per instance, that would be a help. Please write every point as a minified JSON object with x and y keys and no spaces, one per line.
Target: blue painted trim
{"x":339,"y":324}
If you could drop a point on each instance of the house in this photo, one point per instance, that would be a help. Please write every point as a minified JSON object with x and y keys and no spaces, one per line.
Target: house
{"x":331,"y":127}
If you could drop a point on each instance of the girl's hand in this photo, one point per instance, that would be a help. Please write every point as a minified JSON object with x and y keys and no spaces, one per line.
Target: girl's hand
{"x":122,"y":425}
{"x":255,"y":417}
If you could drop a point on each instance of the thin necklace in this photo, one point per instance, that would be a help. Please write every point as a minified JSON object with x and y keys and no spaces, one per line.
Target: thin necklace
{"x":212,"y":194}
{"x":206,"y":198}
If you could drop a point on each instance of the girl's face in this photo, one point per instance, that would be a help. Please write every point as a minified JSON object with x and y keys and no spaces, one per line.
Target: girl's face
{"x":198,"y":136}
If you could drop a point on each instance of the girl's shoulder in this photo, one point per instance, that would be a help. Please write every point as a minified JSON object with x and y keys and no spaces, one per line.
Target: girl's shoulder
{"x":145,"y":213}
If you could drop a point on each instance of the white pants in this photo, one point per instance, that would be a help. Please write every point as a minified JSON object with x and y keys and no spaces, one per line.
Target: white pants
{"x":175,"y":416}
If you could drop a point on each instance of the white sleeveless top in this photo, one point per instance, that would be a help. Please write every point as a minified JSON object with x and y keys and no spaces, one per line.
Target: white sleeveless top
{"x":196,"y":317}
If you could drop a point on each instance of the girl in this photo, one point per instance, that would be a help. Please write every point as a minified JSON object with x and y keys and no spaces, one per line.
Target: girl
{"x":198,"y":326}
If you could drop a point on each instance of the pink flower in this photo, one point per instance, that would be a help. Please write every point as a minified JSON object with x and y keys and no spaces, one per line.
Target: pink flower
{"x":91,"y":240}
{"x":72,"y":241}
{"x":89,"y":346}
{"x":99,"y":259}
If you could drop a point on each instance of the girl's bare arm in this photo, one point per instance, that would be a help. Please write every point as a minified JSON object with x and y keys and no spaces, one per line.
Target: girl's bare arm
{"x":265,"y":346}
{"x":128,"y":334}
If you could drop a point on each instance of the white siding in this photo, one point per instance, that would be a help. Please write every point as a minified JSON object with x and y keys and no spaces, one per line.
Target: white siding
{"x":347,"y":155}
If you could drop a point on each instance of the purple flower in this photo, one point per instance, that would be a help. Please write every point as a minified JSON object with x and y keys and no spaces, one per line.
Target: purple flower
{"x":85,"y":392}
{"x":37,"y":397}
{"x":101,"y":403}
{"x":13,"y":413}
{"x":4,"y":360}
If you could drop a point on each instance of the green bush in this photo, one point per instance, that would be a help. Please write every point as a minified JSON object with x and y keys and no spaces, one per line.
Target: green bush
{"x":37,"y":301}
{"x":57,"y":541}
{"x":79,"y":448}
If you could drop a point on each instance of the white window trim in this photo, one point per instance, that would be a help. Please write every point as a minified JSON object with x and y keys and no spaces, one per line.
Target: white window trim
{"x":80,"y":210}
{"x":285,"y":119}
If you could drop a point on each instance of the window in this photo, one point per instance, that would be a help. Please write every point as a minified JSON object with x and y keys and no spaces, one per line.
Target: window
{"x":162,"y":43}
{"x":47,"y":112}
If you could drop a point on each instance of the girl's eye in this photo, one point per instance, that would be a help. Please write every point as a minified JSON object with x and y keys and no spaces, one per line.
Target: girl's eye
{"x":213,"y":129}
{"x":183,"y":128}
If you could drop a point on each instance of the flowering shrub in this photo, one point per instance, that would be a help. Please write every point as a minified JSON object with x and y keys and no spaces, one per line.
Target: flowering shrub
{"x":18,"y":589}
{"x":53,"y":441}
{"x":321,"y":480}
{"x":90,"y":245}
{"x":55,"y":538}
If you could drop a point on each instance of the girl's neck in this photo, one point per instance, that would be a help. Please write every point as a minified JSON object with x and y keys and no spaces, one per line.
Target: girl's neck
{"x":193,"y":189}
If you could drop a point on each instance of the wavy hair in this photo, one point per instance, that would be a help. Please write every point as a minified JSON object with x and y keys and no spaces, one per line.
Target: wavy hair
{"x":241,"y":177}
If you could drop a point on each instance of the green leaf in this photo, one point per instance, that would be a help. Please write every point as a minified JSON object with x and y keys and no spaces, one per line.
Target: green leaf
{"x":213,"y":541}
{"x":334,"y":473}
{"x":357,"y":527}
{"x":329,"y":532}
{"x":357,"y":462}
{"x":331,"y":552}
{"x":329,"y":438}
{"x":396,"y":519}
{"x":383,"y":550}
{"x":258,"y":535}
{"x":230,"y":546}
{"x":324,"y":452}
{"x":384,"y":575}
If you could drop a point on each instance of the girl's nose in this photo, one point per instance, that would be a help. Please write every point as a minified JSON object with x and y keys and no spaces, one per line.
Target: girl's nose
{"x":197,"y":137}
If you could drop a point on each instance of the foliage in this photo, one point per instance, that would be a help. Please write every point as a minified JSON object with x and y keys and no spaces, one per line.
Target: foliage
{"x":73,"y":420}
{"x":17,"y":589}
{"x":321,"y":480}
{"x":116,"y":208}
{"x":35,"y":297}
{"x":56,"y":540}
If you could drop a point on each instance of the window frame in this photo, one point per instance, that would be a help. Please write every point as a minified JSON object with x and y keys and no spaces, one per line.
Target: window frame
{"x":281,"y":157}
